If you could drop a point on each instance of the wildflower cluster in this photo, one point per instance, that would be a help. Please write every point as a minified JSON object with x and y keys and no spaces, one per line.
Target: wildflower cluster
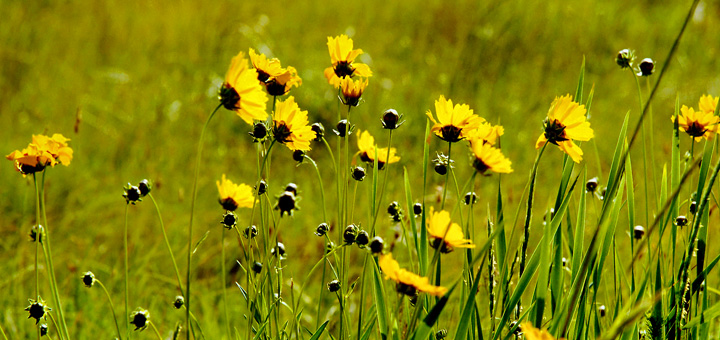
{"x":41,"y":152}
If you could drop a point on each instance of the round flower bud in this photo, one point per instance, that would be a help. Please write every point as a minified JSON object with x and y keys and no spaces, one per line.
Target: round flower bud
{"x":470,"y":198}
{"x":564,"y":262}
{"x":43,"y":329}
{"x":229,"y":220}
{"x":286,"y":203}
{"x":362,"y":239}
{"x":179,"y":302}
{"x":257,"y":267}
{"x":329,"y":247}
{"x":350,"y":234}
{"x":391,"y":119}
{"x":333,"y":286}
{"x":441,"y":334}
{"x":140,"y":318}
{"x":145,"y":186}
{"x":358,"y":173}
{"x":342,"y":128}
{"x":132,"y":194}
{"x":442,"y":163}
{"x":88,"y":279}
{"x":36,"y":233}
{"x":376,"y":245}
{"x":299,"y":156}
{"x":394,"y":208}
{"x":413,"y":300}
{"x":292,"y":187}
{"x":259,"y":131}
{"x":281,"y":249}
{"x":441,"y":169}
{"x":417,"y":208}
{"x":37,"y":310}
{"x":647,"y":66}
{"x":601,"y":309}
{"x":638,"y":232}
{"x":250,"y":232}
{"x":681,"y":221}
{"x":693,"y":207}
{"x":261,"y":187}
{"x":624,"y":58}
{"x":322,"y":229}
{"x":319,"y":130}
{"x":591,"y":185}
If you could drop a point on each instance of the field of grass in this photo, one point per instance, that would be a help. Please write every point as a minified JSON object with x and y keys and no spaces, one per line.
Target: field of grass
{"x":131,"y":83}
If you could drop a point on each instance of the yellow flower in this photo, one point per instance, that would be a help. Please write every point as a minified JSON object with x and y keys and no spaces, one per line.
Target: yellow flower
{"x":697,"y":124}
{"x":276,"y":79}
{"x":453,"y":122}
{"x":488,"y":157}
{"x":532,"y":333}
{"x":352,"y":90}
{"x":566,"y":122}
{"x":291,"y":126}
{"x":366,"y":144}
{"x":233,"y":196}
{"x":43,"y":151}
{"x":343,"y":57}
{"x":708,"y":103}
{"x":487,"y":133}
{"x":444,"y":233}
{"x":407,"y":283}
{"x":241,"y":91}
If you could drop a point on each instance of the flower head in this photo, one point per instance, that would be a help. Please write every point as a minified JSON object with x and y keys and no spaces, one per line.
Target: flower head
{"x":140,"y":318}
{"x":698,"y":124}
{"x":343,"y":57}
{"x":487,"y":133}
{"x":291,"y":126}
{"x":242,"y":92}
{"x":368,"y":154}
{"x":444,"y":233}
{"x":43,"y":151}
{"x":407,"y":283}
{"x":532,"y":333}
{"x":487,"y":157}
{"x":233,"y":196}
{"x":352,"y":90}
{"x":37,"y":310}
{"x":566,"y":122}
{"x":708,"y":103}
{"x":88,"y":279}
{"x":453,"y":123}
{"x":265,"y":67}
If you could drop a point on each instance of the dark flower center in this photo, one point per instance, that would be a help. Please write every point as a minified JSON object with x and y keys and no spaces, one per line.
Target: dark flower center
{"x":282,"y":133}
{"x":229,"y":98}
{"x":444,"y":246}
{"x":695,"y":130}
{"x":480,"y":166}
{"x":406,"y":289}
{"x":450,"y":133}
{"x":228,"y":204}
{"x":351,"y":99}
{"x":262,"y":75}
{"x":554,"y":131}
{"x":344,"y":69}
{"x":274,"y":88}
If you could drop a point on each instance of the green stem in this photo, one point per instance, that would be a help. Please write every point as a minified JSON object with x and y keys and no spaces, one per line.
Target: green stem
{"x":112,"y":307}
{"x":156,"y":330}
{"x":2,"y":331}
{"x":224,"y":285}
{"x":167,"y":243}
{"x":125,"y":243}
{"x":192,"y":214}
{"x":447,"y":177}
{"x":322,"y":190}
{"x":382,"y":191}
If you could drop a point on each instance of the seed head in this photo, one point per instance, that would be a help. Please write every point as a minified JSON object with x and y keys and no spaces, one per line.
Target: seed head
{"x":88,"y":279}
{"x":229,"y":220}
{"x":319,"y":130}
{"x":259,"y":132}
{"x":376,"y":245}
{"x":681,"y":221}
{"x":625,"y":58}
{"x":37,"y":310}
{"x":333,"y":286}
{"x":470,"y":198}
{"x":145,"y":186}
{"x":250,"y":232}
{"x":362,"y":239}
{"x":140,"y":318}
{"x":391,"y":119}
{"x":358,"y":173}
{"x":417,"y":208}
{"x":322,"y":229}
{"x":132,"y":194}
{"x":179,"y":302}
{"x":647,"y":66}
{"x":591,"y":185}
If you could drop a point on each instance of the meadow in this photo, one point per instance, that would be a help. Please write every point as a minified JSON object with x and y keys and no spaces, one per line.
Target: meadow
{"x":131,"y":83}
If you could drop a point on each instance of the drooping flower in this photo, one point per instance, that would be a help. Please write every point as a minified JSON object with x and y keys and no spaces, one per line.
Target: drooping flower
{"x":343,"y":57}
{"x":43,"y":151}
{"x":566,"y":122}
{"x":291,"y":126}
{"x":406,"y":282}
{"x":444,"y":233}
{"x":708,"y":103}
{"x":367,"y":146}
{"x":282,"y":83}
{"x":532,"y":333}
{"x":453,"y":123}
{"x":698,"y":124}
{"x":242,"y":92}
{"x":487,"y":157}
{"x":233,"y":196}
{"x":352,"y":90}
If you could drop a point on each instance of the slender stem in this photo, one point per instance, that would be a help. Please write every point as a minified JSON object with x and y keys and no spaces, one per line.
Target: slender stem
{"x":447,"y":177}
{"x":112,"y":307}
{"x":382,"y":191}
{"x":224,"y":284}
{"x":156,"y":330}
{"x":167,"y":243}
{"x":190,"y":225}
{"x":2,"y":331}
{"x":267,"y":155}
{"x":38,"y":235}
{"x":322,"y":190}
{"x":125,"y":243}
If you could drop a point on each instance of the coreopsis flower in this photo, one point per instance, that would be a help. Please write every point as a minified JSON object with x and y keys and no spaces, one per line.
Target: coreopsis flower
{"x":444,"y":233}
{"x":488,"y":157}
{"x":43,"y":151}
{"x":233,"y":196}
{"x":290,"y":126}
{"x":566,"y":122}
{"x":343,"y":57}
{"x":487,"y":133}
{"x":281,"y":84}
{"x":697,"y":124}
{"x":366,"y":144}
{"x":242,"y":92}
{"x":532,"y":333}
{"x":352,"y":90}
{"x":406,"y":282}
{"x":265,"y":67}
{"x":708,"y":104}
{"x":453,"y":123}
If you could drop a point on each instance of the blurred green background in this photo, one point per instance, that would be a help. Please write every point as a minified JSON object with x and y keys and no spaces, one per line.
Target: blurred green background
{"x":138,"y":78}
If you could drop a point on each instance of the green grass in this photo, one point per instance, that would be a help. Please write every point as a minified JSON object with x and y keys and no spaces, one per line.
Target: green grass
{"x":143,"y":77}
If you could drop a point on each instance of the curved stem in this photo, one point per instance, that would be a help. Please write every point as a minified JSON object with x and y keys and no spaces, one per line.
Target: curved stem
{"x":167,"y":243}
{"x":112,"y":307}
{"x":156,"y":330}
{"x":190,"y":225}
{"x":322,"y":190}
{"x":125,"y":243}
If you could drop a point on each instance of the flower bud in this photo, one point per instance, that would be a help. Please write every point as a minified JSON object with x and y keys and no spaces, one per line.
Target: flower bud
{"x":350,"y":234}
{"x":333,"y":286}
{"x":441,"y":334}
{"x":250,"y":232}
{"x":442,"y":163}
{"x":261,"y":187}
{"x":132,"y":194}
{"x":362,"y":239}
{"x":36,"y":233}
{"x":286,"y":203}
{"x":394,"y":208}
{"x":259,"y":131}
{"x":229,"y":220}
{"x":299,"y":156}
{"x":179,"y":302}
{"x":88,"y":279}
{"x":329,"y":247}
{"x":391,"y":119}
{"x":417,"y":208}
{"x":470,"y":198}
{"x":591,"y":185}
{"x":638,"y":232}
{"x":257,"y":267}
{"x":145,"y":186}
{"x":37,"y":310}
{"x":140,"y":318}
{"x":322,"y":229}
{"x":358,"y":173}
{"x":693,"y":207}
{"x":319,"y":130}
{"x":624,"y":58}
{"x":292,"y":187}
{"x":43,"y":329}
{"x":281,"y":248}
{"x":647,"y":66}
{"x":681,"y":221}
{"x":601,"y":309}
{"x":376,"y":245}
{"x":342,"y":128}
